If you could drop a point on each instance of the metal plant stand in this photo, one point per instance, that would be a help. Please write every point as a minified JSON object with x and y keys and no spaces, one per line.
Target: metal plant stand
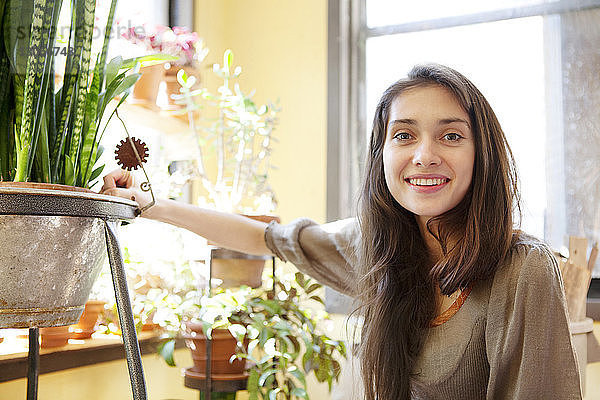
{"x":207,"y":385}
{"x":53,"y":203}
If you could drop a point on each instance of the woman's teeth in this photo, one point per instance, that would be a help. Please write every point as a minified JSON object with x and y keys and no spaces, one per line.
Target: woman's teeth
{"x":426,"y":182}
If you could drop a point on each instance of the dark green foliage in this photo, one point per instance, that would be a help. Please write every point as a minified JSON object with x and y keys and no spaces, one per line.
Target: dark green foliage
{"x":49,"y":135}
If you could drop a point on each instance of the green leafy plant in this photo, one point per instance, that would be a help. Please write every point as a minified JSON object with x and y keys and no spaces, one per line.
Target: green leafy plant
{"x":283,"y":335}
{"x":163,"y":289}
{"x":239,"y":132}
{"x":47,"y":134}
{"x":289,"y":343}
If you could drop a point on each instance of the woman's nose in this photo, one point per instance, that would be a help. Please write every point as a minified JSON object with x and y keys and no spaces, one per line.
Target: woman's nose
{"x":425,"y":154}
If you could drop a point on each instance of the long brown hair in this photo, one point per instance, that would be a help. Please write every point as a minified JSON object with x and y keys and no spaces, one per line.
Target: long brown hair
{"x":397,"y":288}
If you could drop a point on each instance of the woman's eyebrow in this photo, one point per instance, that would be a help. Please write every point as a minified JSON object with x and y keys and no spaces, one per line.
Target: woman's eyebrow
{"x":447,"y":121}
{"x":403,"y":121}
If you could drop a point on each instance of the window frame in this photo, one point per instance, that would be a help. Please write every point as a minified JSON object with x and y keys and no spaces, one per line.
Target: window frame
{"x":346,"y":120}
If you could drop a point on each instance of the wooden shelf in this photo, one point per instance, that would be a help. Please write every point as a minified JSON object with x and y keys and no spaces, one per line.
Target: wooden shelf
{"x":78,"y":353}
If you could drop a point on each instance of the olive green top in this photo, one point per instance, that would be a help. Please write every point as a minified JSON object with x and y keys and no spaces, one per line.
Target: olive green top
{"x":509,"y":340}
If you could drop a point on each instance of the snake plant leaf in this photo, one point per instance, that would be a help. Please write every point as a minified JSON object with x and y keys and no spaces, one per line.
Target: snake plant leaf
{"x":62,"y":133}
{"x":2,"y":4}
{"x":72,"y":67}
{"x":107,"y":33}
{"x":85,"y":10}
{"x":42,"y":149}
{"x":69,"y":171}
{"x":16,"y":31}
{"x":34,"y":90}
{"x":90,"y":127}
{"x":6,"y":107}
{"x":44,"y":115}
{"x":92,"y":117}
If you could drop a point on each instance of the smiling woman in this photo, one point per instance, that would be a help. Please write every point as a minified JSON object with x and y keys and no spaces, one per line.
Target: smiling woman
{"x":457,"y":303}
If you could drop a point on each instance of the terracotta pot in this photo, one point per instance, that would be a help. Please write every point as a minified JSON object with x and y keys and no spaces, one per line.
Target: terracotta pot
{"x":171,"y":84}
{"x":85,"y":327}
{"x":237,"y":269}
{"x":53,"y":247}
{"x":150,"y":327}
{"x":56,"y":336}
{"x":146,"y":88}
{"x":223,"y":347}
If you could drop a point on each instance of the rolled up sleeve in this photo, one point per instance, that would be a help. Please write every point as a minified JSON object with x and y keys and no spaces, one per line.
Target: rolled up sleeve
{"x":326,"y":252}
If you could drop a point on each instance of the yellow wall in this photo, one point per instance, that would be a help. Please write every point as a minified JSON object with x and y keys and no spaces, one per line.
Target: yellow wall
{"x":282,"y":48}
{"x":107,"y":381}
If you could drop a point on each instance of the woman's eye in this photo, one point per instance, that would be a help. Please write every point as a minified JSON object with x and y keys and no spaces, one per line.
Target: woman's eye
{"x":402,"y":136}
{"x":452,"y":137}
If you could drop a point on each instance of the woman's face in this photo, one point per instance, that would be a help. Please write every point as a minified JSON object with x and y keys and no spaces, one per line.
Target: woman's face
{"x":429,"y":151}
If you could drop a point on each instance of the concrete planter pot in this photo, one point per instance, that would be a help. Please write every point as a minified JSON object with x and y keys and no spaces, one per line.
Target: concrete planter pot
{"x":53,"y":247}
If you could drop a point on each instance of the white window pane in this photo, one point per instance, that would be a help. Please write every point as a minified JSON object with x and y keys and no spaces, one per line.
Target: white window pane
{"x":505,"y":60}
{"x":386,"y":12}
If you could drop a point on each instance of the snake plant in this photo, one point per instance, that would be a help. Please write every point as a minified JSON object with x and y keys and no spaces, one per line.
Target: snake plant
{"x":50,"y":134}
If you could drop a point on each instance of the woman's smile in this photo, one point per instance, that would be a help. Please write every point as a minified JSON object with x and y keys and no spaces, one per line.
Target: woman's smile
{"x":427,"y":183}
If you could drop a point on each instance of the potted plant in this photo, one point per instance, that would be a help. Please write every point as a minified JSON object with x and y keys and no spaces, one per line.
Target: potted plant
{"x":85,"y":327}
{"x":49,"y":145}
{"x":275,"y":331}
{"x":184,"y":46}
{"x":240,"y":134}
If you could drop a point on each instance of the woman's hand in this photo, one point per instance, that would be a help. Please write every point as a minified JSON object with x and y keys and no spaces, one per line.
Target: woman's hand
{"x":121,"y":183}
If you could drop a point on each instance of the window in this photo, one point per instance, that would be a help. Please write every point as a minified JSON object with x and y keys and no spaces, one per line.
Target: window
{"x":537,"y":62}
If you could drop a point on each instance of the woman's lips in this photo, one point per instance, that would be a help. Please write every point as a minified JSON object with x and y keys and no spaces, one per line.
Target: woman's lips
{"x":427,"y":189}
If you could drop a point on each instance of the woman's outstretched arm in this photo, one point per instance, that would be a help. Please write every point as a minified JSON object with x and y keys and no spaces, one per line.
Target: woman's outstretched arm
{"x":226,"y":230}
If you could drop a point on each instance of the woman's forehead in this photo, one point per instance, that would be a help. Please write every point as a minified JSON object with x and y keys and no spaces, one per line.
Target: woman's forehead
{"x":431,"y":101}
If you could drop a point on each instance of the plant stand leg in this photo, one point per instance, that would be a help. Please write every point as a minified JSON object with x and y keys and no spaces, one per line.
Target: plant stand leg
{"x":33,"y":363}
{"x":130,"y":342}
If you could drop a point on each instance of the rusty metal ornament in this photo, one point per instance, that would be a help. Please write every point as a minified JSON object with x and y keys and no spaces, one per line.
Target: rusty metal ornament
{"x":131,"y":153}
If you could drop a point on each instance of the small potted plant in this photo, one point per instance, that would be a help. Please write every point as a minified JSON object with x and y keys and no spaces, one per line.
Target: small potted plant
{"x":275,"y":331}
{"x":185,"y":46}
{"x":240,"y":134}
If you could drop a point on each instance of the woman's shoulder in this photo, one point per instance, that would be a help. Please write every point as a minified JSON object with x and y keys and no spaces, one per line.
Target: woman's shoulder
{"x":530,"y":260}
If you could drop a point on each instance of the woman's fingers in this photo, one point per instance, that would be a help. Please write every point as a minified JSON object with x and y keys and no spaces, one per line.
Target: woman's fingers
{"x":118,"y":178}
{"x":122,"y":192}
{"x":140,"y":197}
